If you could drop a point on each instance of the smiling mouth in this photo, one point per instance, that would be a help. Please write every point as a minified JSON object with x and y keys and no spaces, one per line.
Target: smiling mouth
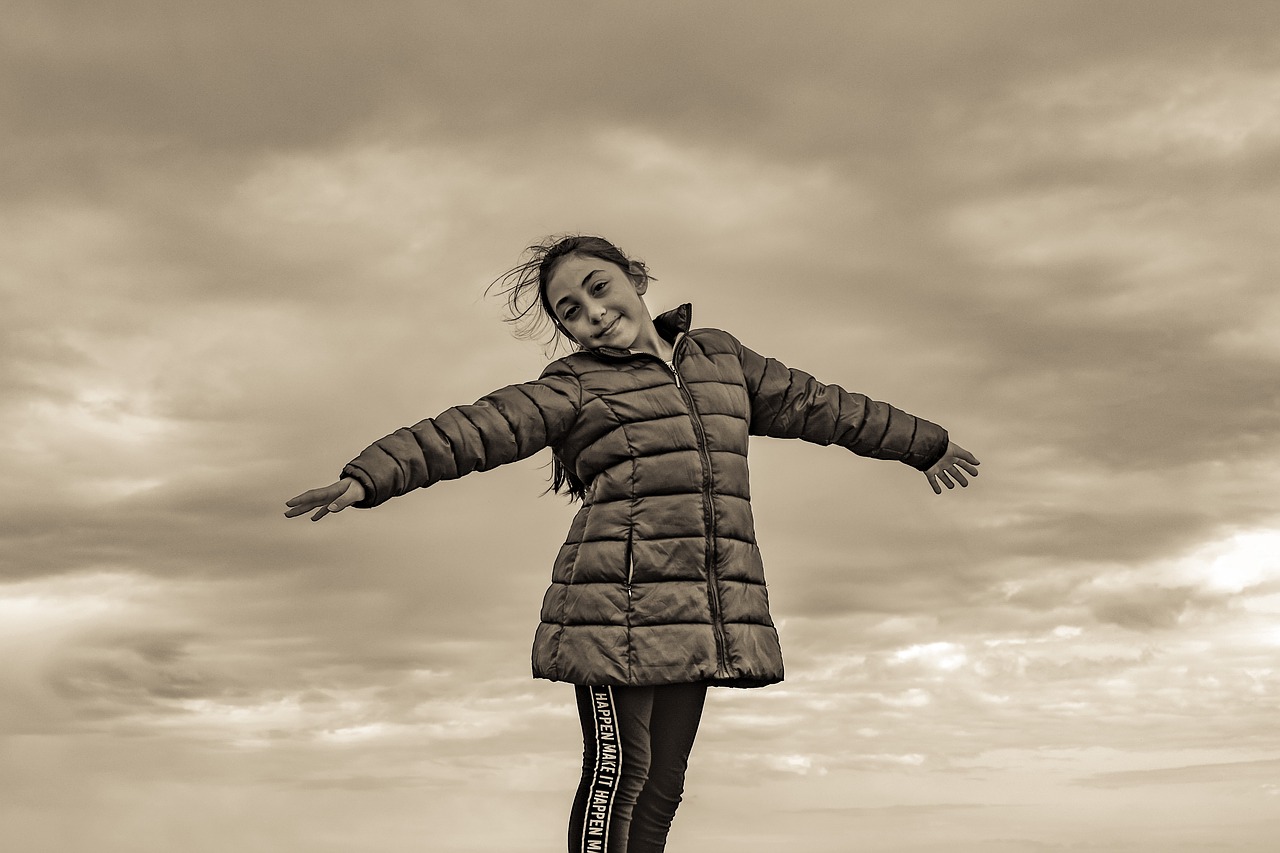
{"x":608,"y":329}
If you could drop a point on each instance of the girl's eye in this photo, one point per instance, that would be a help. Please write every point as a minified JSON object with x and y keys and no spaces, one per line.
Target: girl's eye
{"x":569,"y":313}
{"x":599,"y":286}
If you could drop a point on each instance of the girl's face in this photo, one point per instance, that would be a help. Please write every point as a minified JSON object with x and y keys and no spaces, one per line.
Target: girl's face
{"x":598,"y":303}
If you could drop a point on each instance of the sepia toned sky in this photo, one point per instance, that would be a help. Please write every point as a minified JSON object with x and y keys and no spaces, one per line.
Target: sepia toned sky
{"x":240,"y":241}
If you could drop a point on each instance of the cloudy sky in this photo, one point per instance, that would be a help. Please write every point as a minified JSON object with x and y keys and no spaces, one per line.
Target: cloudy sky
{"x":240,"y":241}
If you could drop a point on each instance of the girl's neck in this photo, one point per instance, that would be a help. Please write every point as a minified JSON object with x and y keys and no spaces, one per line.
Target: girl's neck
{"x":651,"y":342}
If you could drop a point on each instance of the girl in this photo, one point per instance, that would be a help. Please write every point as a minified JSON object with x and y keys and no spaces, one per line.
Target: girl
{"x":658,"y":592}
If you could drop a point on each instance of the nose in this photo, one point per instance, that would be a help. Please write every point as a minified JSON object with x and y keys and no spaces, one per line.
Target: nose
{"x":597,"y":314}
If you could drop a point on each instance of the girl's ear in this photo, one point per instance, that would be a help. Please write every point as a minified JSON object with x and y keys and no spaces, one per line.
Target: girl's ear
{"x":638,"y":278}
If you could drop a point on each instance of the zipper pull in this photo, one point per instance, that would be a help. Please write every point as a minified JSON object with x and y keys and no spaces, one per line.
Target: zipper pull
{"x":672,"y":366}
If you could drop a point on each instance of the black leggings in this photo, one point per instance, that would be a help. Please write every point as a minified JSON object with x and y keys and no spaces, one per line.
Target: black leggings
{"x":636,"y":743}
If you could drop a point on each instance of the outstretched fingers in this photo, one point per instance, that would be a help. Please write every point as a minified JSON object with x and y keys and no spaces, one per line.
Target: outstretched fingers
{"x":952,"y":473}
{"x":317,"y":499}
{"x":944,"y":476}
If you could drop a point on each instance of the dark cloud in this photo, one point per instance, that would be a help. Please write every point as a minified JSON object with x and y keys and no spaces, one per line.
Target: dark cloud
{"x":1144,"y":609}
{"x":296,"y":74}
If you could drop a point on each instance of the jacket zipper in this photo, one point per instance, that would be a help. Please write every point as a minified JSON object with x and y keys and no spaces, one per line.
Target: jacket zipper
{"x":708,"y":515}
{"x":631,"y":566}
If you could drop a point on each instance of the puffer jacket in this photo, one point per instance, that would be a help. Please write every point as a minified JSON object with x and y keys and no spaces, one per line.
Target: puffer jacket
{"x":659,"y":580}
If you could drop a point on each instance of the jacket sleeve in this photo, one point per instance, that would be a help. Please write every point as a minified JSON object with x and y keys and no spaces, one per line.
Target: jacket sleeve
{"x":510,"y":424}
{"x":789,"y":403}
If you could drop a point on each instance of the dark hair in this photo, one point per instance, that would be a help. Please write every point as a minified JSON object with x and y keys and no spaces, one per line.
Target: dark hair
{"x":524,"y":287}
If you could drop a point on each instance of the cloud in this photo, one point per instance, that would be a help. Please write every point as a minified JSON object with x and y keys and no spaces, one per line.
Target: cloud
{"x":1214,"y":108}
{"x":1235,"y":771}
{"x":1144,"y":609}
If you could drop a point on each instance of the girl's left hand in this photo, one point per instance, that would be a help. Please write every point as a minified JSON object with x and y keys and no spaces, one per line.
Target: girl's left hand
{"x":950,"y":465}
{"x":328,"y":499}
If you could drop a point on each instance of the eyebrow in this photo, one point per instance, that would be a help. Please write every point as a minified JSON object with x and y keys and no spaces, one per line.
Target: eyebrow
{"x":586,"y":278}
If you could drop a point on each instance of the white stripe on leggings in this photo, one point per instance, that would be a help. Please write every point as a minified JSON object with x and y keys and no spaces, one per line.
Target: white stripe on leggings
{"x":598,"y":771}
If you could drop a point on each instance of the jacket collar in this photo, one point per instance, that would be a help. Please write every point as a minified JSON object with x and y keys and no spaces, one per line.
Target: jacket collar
{"x":670,"y":325}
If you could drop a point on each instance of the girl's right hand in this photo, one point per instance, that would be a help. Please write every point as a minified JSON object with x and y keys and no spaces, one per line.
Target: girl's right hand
{"x":949,"y":466}
{"x":332,"y":498}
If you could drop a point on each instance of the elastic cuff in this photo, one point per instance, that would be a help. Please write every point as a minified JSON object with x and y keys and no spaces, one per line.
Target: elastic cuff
{"x":929,"y":461}
{"x":370,"y":493}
